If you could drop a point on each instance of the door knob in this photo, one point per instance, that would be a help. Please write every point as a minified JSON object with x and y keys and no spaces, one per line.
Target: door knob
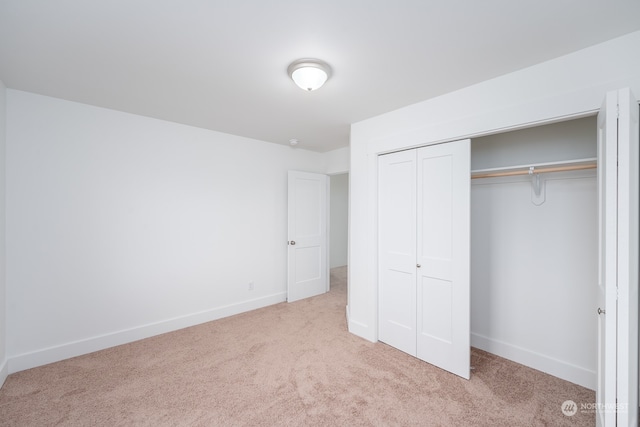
{"x":292,"y":243}
{"x":418,"y":265}
{"x":601,"y":311}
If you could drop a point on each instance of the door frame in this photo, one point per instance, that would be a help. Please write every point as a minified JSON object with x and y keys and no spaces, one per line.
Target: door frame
{"x":606,"y":297}
{"x":329,"y":219}
{"x":627,"y":281}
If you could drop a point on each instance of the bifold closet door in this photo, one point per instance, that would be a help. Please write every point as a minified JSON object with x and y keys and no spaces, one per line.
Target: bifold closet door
{"x":397,"y":250}
{"x":617,"y":311}
{"x":423,"y":247}
{"x":443,"y":254}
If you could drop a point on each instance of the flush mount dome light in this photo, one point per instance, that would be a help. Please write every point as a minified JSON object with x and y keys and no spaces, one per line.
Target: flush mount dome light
{"x":309,"y":74}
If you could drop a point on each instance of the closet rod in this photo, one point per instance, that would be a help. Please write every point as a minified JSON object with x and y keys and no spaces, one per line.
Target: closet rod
{"x":532,"y":170}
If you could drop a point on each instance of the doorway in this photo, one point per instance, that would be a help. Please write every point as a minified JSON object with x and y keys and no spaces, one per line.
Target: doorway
{"x":338,"y":220}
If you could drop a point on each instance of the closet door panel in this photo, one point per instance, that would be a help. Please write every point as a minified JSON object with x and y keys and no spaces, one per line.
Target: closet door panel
{"x":436,"y":214}
{"x":397,"y":250}
{"x":628,"y":206}
{"x":607,"y":268}
{"x":443,"y":256}
{"x":436,"y":313}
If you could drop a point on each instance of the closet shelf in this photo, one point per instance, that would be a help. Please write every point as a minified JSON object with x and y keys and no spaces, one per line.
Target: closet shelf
{"x":563,"y":166}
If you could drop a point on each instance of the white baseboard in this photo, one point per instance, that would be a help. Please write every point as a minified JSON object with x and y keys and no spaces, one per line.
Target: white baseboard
{"x":78,"y":348}
{"x":549,"y":365}
{"x":4,"y":372}
{"x":359,"y":329}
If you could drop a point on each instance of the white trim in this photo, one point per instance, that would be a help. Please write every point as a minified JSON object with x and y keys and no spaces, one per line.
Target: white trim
{"x":89,"y":345}
{"x":532,"y":359}
{"x":4,"y":372}
{"x":327,"y":242}
{"x":359,"y":329}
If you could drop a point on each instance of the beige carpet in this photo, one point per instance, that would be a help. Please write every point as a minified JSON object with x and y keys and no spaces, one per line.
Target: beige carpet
{"x":288,"y":364}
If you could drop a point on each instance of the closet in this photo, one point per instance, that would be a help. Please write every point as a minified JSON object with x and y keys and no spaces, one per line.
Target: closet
{"x":532,"y":237}
{"x":534,"y":247}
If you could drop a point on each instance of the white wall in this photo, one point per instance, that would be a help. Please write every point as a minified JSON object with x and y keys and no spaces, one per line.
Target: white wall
{"x":120,"y":226}
{"x":337,"y":161}
{"x":3,"y":304}
{"x":534,"y":267}
{"x":339,"y":207}
{"x":570,"y":86}
{"x":568,"y":140}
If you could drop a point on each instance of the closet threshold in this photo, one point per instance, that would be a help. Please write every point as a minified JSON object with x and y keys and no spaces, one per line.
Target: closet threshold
{"x":562,"y":166}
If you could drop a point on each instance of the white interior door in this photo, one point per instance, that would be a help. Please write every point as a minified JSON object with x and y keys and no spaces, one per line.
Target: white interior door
{"x":397,"y":250}
{"x":617,"y":385}
{"x":443,"y":299}
{"x":308,"y":273}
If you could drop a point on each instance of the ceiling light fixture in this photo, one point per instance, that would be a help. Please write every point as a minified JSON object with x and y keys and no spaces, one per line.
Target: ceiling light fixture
{"x":309,"y":74}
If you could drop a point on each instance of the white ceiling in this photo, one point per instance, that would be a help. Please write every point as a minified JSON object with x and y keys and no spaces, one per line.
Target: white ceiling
{"x":221,"y":64}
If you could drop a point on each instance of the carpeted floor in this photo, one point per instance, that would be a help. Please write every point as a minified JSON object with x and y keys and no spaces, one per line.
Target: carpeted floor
{"x":288,"y":364}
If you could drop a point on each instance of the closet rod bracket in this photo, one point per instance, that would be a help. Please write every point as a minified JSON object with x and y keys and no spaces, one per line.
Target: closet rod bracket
{"x":537,"y":187}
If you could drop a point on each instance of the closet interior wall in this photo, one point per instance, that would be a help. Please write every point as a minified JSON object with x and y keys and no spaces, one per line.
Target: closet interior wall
{"x":534,"y":266}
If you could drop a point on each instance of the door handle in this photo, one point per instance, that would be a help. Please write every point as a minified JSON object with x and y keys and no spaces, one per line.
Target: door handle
{"x":601,"y":311}
{"x":418,"y":265}
{"x":292,"y":243}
